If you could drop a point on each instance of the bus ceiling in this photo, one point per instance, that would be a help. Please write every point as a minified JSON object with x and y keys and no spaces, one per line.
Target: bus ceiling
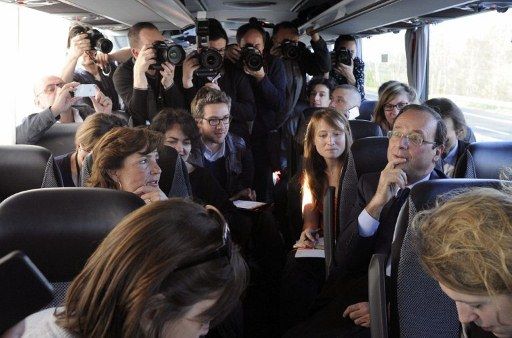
{"x":331,"y":17}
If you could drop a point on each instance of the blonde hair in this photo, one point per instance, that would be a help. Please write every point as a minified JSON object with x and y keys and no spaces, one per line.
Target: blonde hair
{"x":206,"y":96}
{"x":389,"y":93}
{"x":466,"y":242}
{"x":94,"y":127}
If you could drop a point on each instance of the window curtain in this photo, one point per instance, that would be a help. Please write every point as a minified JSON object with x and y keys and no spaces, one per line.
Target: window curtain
{"x":416,"y":52}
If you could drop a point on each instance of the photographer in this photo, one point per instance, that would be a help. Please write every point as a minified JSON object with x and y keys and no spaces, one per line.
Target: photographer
{"x":285,"y":37}
{"x":83,"y":65}
{"x":351,"y":72}
{"x":55,"y":100}
{"x":231,"y":80}
{"x":269,"y":87}
{"x":144,"y":89}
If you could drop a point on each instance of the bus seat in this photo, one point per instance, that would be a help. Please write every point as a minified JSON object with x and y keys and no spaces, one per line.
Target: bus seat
{"x":366,"y":110}
{"x":417,"y":303}
{"x":362,"y":128}
{"x":377,"y":296}
{"x":370,"y":154}
{"x":485,"y":160}
{"x":60,"y":138}
{"x":25,"y":167}
{"x":59,"y":228}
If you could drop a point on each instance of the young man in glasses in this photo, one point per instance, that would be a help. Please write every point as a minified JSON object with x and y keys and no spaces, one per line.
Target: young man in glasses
{"x":416,"y":143}
{"x":225,"y":154}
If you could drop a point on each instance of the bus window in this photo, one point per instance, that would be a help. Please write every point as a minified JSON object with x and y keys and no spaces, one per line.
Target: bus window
{"x":470,"y":63}
{"x":384,"y":58}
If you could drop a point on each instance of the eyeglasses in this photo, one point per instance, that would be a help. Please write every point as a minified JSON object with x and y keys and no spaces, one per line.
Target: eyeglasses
{"x":215,"y":121}
{"x":223,"y":251}
{"x":399,"y":106}
{"x":414,"y":138}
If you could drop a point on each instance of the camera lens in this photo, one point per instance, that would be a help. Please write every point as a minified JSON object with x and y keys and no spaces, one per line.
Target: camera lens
{"x":251,"y":58}
{"x":104,"y":45}
{"x":175,"y":54}
{"x":210,"y":59}
{"x":290,"y":50}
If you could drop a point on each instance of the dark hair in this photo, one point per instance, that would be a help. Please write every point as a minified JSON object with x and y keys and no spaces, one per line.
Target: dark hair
{"x":116,"y":145}
{"x":253,"y":24}
{"x":448,"y":109}
{"x":216,"y":31}
{"x":131,"y":285}
{"x":341,"y":39}
{"x":314,"y":163}
{"x":134,"y":32}
{"x":285,"y":25}
{"x":74,"y":31}
{"x":319,"y":81}
{"x":94,"y":127}
{"x":168,"y":117}
{"x":441,"y":132}
{"x":385,"y":85}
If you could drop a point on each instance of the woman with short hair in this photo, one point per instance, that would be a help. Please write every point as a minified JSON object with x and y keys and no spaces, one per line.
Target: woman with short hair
{"x":166,"y":270}
{"x":126,"y":159}
{"x":395,"y":96}
{"x":466,"y":245}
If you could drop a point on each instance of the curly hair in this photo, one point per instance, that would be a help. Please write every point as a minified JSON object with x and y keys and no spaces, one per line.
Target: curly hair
{"x":466,"y":241}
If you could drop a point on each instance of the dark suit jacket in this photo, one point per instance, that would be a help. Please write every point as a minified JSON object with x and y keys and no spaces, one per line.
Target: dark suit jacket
{"x":461,"y":149}
{"x":353,"y":252}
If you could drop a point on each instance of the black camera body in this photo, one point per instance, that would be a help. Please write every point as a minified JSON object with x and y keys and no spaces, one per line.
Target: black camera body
{"x":99,"y":42}
{"x":342,"y":56}
{"x":290,"y":50}
{"x":167,"y":52}
{"x":210,"y":60}
{"x":251,"y":57}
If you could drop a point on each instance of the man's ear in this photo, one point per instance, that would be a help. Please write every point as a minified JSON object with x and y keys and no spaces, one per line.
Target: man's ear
{"x":135,"y":52}
{"x":438,"y":152}
{"x":113,"y":175}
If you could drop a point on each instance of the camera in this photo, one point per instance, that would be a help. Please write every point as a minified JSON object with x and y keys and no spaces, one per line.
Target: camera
{"x":210,"y":60}
{"x":251,"y":57}
{"x":342,"y":55}
{"x":167,"y":52}
{"x":290,"y":50}
{"x":97,"y":40}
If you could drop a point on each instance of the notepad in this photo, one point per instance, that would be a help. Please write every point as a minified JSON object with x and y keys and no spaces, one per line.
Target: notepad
{"x":249,"y":205}
{"x":317,"y":252}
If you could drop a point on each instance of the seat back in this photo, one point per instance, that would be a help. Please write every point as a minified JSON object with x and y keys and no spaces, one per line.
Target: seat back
{"x":329,"y":227}
{"x":377,"y":296}
{"x":370,"y":154}
{"x":362,"y":128}
{"x":60,"y":138}
{"x":366,"y":110}
{"x":420,"y":305}
{"x":484,"y":160}
{"x":60,"y":228}
{"x":24,"y":167}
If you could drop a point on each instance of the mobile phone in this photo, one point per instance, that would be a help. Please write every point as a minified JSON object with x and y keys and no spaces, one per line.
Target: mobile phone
{"x":85,"y":90}
{"x":23,"y":289}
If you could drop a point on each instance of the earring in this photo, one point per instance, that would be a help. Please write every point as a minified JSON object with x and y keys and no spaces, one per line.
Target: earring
{"x":120,"y":185}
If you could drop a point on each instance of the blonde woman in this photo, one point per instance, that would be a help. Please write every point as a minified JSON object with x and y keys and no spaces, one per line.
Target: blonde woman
{"x":466,"y":245}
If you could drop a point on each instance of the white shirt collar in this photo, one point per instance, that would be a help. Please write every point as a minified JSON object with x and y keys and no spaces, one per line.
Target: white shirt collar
{"x":213,"y":156}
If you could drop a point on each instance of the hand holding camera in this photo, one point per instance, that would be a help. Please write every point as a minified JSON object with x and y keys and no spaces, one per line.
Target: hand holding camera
{"x":167,"y":74}
{"x":233,"y":52}
{"x":78,"y":45}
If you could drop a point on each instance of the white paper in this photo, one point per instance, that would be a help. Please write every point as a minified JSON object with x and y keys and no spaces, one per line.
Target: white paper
{"x":250,"y":205}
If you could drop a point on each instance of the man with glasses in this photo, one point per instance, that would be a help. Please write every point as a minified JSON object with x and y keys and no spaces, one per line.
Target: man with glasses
{"x":57,"y":103}
{"x":346,"y":100}
{"x":416,"y":143}
{"x":225,"y":154}
{"x":231,"y":80}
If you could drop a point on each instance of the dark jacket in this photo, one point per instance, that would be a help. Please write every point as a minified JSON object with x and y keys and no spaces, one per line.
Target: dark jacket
{"x":142,"y":104}
{"x":270,"y":95}
{"x":461,"y":149}
{"x":353,"y":252}
{"x":238,"y":163}
{"x":358,"y":72}
{"x":236,"y":84}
